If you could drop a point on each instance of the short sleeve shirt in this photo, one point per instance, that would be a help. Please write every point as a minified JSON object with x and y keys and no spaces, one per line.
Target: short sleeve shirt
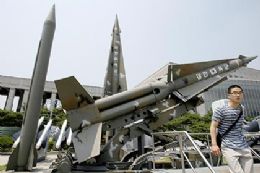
{"x":226,"y":116}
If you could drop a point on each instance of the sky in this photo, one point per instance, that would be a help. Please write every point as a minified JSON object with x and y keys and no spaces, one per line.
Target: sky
{"x":153,"y":33}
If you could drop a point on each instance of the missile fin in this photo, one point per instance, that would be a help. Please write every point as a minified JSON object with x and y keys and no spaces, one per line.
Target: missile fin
{"x":87,"y":142}
{"x":12,"y":163}
{"x":193,"y":90}
{"x":72,"y":94}
{"x":13,"y":159}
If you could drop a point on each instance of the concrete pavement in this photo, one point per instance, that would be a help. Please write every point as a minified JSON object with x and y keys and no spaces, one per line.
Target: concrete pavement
{"x":42,"y":167}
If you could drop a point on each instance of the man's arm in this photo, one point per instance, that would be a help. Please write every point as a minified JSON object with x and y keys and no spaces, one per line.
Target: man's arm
{"x":213,"y":133}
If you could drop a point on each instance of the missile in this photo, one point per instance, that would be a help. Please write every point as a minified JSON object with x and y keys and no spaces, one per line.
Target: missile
{"x":181,"y":85}
{"x":22,"y":157}
{"x":128,"y":101}
{"x":69,"y":138}
{"x":115,"y":78}
{"x":43,"y":135}
{"x":18,"y":139}
{"x":62,"y":131}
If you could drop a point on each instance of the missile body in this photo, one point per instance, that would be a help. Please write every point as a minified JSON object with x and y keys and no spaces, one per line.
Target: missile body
{"x":24,"y":156}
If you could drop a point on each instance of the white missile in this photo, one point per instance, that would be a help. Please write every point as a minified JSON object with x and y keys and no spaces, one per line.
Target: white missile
{"x":62,"y":133}
{"x":18,"y":139}
{"x":44,"y":133}
{"x":69,"y":138}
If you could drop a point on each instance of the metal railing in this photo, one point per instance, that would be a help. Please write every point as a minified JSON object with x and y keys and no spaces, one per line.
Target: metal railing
{"x":182,"y":138}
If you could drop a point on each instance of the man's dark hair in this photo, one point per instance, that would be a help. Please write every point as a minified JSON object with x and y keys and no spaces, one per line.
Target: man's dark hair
{"x":233,"y":86}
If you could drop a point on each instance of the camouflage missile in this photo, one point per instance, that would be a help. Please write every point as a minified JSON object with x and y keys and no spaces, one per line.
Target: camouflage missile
{"x":115,"y":79}
{"x":184,"y":81}
{"x":122,"y":103}
{"x":23,"y":156}
{"x":182,"y":75}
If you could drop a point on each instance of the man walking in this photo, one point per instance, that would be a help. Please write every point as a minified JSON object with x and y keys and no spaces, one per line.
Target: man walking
{"x":228,"y":119}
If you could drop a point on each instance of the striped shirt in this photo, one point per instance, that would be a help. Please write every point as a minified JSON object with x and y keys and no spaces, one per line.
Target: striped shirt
{"x":226,"y":116}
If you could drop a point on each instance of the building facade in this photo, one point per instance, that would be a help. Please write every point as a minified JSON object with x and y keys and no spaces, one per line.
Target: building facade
{"x":248,"y":79}
{"x":14,"y":87}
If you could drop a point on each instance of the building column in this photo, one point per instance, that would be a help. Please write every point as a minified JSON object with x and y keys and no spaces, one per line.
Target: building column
{"x":10,"y":99}
{"x":18,"y":109}
{"x":53,"y":101}
{"x":25,"y":100}
{"x":43,"y":102}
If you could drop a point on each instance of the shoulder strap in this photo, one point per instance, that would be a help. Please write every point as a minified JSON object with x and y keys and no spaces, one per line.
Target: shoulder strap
{"x":230,"y":127}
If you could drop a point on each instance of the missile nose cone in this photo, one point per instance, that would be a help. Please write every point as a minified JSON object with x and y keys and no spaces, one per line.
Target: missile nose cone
{"x":246,"y":60}
{"x":52,"y":17}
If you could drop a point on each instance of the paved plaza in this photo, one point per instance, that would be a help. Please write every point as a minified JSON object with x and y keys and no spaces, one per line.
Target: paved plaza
{"x":42,"y":167}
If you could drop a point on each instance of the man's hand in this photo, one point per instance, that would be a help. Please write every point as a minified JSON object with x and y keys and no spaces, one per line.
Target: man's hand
{"x":215,"y":150}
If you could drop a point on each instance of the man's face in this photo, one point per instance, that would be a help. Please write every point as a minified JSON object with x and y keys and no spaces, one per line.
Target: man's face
{"x":236,"y":95}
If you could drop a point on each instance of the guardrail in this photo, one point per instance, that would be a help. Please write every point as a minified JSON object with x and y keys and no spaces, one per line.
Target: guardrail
{"x":186,"y":144}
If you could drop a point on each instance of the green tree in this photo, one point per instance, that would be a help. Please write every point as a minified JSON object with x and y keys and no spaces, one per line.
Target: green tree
{"x":192,"y":123}
{"x":15,"y":119}
{"x":6,"y":143}
{"x":58,"y":116}
{"x":10,"y":119}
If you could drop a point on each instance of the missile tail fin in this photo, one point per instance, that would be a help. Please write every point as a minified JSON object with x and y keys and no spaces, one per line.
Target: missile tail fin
{"x":12,"y":163}
{"x":13,"y":160}
{"x":87,"y":142}
{"x":72,"y":94}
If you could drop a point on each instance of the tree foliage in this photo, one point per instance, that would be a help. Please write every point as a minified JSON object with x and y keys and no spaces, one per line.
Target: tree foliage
{"x":15,"y":119}
{"x":58,"y":116}
{"x":192,"y":123}
{"x":6,"y":143}
{"x":10,"y":119}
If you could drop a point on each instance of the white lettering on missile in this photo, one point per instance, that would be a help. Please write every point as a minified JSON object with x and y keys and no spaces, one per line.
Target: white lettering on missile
{"x":226,"y":66}
{"x":220,"y":69}
{"x":213,"y":71}
{"x":205,"y":74}
{"x":198,"y":75}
